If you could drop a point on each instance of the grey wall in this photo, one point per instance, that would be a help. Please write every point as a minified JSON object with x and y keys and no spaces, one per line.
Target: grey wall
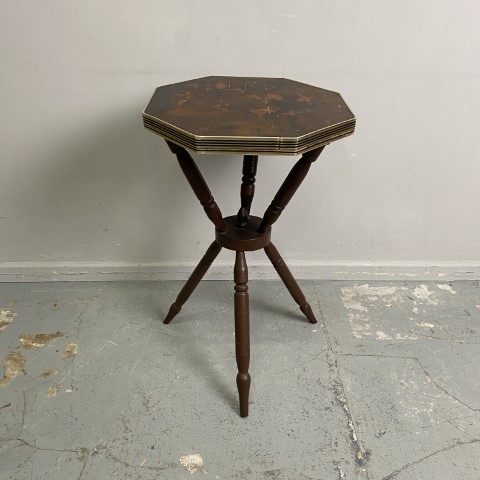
{"x":84,"y":185}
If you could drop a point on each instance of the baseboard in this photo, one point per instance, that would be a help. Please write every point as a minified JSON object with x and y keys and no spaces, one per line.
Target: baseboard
{"x":334,"y":270}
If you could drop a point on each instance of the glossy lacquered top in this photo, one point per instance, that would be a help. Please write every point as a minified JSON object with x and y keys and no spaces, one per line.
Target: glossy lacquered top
{"x":248,"y":115}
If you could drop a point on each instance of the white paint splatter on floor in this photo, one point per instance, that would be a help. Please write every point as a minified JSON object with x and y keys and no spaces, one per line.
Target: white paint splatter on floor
{"x":359,"y":298}
{"x":192,"y":463}
{"x":382,"y":336}
{"x":424,"y":294}
{"x":424,"y":324}
{"x":447,"y":288}
{"x":367,"y":308}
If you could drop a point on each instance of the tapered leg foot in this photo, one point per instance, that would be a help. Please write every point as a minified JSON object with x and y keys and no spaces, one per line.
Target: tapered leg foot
{"x":194,"y":280}
{"x":243,"y":385}
{"x":242,"y":330}
{"x":290,"y":282}
{"x":307,"y":311}
{"x":172,"y":312}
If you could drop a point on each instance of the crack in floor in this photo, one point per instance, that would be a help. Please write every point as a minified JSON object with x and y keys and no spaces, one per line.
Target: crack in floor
{"x":361,"y":455}
{"x":422,"y":367}
{"x":420,"y":460}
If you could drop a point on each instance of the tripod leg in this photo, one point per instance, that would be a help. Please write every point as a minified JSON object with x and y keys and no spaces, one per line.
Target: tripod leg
{"x":288,"y":188}
{"x":242,"y":330}
{"x":198,"y":184}
{"x":194,"y":280}
{"x":289,"y":281}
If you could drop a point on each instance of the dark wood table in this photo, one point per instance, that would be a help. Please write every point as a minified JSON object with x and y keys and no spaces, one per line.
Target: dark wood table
{"x":249,"y":116}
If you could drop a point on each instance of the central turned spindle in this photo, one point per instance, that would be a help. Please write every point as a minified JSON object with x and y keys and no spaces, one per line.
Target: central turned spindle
{"x":247,"y":189}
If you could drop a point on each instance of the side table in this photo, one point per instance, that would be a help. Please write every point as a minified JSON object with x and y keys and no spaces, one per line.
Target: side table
{"x":249,"y":116}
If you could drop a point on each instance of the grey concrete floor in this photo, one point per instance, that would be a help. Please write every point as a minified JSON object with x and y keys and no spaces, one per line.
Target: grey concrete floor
{"x":385,"y":386}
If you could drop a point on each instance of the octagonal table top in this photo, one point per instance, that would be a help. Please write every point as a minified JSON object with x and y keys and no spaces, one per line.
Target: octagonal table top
{"x":248,"y":115}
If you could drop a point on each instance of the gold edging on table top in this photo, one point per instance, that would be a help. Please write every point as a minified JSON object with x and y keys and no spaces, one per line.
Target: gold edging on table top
{"x":246,"y":137}
{"x":274,"y":145}
{"x":234,"y":151}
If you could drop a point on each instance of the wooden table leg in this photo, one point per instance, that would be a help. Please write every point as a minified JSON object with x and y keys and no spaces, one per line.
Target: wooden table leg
{"x":288,"y":188}
{"x":289,"y":281}
{"x":193,"y":280}
{"x":242,"y":330}
{"x":198,"y":184}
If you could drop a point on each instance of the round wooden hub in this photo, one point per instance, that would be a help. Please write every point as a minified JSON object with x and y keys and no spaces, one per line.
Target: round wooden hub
{"x":242,"y":239}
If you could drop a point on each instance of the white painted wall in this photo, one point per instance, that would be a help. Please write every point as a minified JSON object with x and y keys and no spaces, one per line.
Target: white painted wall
{"x":83,"y":185}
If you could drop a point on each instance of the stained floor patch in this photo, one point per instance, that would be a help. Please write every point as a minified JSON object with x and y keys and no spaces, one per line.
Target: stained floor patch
{"x":37,"y":340}
{"x":53,"y":390}
{"x":13,"y":363}
{"x":6,"y":318}
{"x":70,"y":350}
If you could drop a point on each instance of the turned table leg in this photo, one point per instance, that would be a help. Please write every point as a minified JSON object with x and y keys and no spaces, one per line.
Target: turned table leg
{"x":242,"y":330}
{"x":289,"y":281}
{"x":194,"y":280}
{"x":198,"y":184}
{"x":288,"y":188}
